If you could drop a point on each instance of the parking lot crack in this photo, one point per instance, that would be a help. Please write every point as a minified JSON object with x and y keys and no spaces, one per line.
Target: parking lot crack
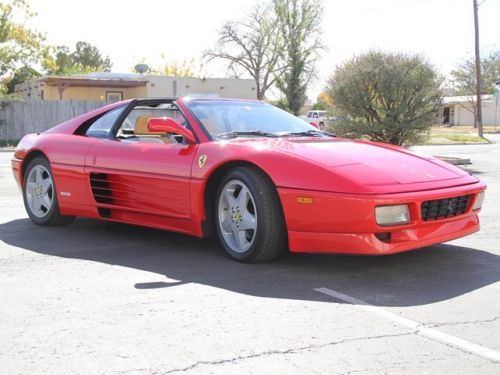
{"x":283,"y":352}
{"x":402,"y":367}
{"x":477,"y":321}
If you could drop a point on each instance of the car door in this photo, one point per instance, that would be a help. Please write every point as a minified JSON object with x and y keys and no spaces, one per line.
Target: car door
{"x":136,"y":177}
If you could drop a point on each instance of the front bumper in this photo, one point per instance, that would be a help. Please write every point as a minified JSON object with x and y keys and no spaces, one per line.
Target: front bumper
{"x":324,"y":222}
{"x":16,"y":164}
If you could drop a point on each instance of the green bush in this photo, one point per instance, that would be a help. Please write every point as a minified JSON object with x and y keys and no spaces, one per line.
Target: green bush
{"x":8,"y":142}
{"x":385,"y":97}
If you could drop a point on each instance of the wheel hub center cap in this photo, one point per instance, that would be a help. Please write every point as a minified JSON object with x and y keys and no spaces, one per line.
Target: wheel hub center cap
{"x":236,"y":217}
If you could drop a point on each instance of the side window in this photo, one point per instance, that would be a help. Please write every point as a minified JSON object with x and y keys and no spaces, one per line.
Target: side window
{"x":135,"y":126}
{"x":103,"y":126}
{"x":315,"y":115}
{"x":309,"y":114}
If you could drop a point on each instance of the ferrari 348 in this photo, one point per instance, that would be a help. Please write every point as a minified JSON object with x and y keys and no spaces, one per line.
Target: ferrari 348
{"x":261,"y":179}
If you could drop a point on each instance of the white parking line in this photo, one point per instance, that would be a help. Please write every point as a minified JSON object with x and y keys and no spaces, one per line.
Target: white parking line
{"x":420,"y":329}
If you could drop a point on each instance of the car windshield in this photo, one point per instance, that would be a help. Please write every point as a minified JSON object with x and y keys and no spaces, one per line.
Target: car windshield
{"x":248,"y":118}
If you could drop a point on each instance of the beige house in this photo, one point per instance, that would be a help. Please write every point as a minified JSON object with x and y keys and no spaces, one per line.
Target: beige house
{"x":458,"y":110}
{"x":116,"y":86}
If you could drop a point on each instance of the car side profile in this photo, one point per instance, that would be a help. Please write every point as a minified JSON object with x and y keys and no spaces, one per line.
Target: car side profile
{"x":262,"y":180}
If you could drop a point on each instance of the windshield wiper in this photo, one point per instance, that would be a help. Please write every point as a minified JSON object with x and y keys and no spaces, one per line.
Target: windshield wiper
{"x":308,"y":133}
{"x":235,"y":134}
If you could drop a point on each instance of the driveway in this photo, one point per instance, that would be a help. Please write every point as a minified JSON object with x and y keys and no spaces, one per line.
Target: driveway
{"x":106,"y":298}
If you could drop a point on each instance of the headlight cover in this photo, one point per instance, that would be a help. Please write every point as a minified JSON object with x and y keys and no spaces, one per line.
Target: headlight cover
{"x":392,"y":215}
{"x":479,"y":201}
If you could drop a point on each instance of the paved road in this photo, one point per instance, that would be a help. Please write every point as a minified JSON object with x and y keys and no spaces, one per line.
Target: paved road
{"x":103,"y":298}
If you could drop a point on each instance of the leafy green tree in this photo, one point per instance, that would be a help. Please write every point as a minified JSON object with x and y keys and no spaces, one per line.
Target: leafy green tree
{"x":85,"y":58}
{"x":19,"y":45}
{"x":318,"y":106}
{"x":57,"y":60}
{"x":87,"y":55}
{"x":463,"y":78}
{"x":323,"y":102}
{"x":21,"y":75}
{"x":299,"y":24}
{"x":280,"y":103}
{"x":387,"y":97}
{"x":251,"y":47}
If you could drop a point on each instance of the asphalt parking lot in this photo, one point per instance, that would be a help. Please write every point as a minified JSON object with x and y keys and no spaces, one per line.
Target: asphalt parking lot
{"x":105,"y":298}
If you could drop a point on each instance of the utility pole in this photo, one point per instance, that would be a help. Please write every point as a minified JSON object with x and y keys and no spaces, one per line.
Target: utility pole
{"x":479,"y":115}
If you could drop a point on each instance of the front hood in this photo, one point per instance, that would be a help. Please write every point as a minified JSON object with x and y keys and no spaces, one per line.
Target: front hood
{"x":372,"y":163}
{"x":373,"y":167}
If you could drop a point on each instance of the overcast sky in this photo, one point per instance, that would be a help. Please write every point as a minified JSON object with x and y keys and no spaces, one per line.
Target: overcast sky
{"x":129,"y":31}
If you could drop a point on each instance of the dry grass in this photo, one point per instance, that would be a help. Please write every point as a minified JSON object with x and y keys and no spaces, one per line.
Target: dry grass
{"x":457,"y":135}
{"x":463,"y":129}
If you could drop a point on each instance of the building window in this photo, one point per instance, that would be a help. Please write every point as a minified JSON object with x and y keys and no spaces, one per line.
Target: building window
{"x":42,"y":95}
{"x":114,"y":96}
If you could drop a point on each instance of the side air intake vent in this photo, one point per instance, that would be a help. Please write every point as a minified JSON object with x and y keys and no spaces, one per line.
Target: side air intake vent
{"x":100,"y":188}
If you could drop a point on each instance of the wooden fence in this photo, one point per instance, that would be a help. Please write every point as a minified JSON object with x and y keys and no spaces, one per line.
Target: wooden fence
{"x":18,"y":118}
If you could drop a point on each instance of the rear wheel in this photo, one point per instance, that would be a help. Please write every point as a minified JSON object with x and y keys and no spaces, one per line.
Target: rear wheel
{"x":40,"y":196}
{"x":249,"y":218}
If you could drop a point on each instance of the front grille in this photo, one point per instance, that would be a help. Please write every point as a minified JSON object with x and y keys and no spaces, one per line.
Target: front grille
{"x":443,"y":208}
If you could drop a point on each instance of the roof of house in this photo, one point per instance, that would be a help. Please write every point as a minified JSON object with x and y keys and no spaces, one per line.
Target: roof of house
{"x":92,"y":82}
{"x":464,"y":99}
{"x":110,"y":75}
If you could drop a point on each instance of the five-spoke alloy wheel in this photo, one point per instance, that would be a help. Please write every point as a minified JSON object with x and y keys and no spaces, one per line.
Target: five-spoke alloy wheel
{"x":39,"y":194}
{"x":39,"y":191}
{"x":237,"y":216}
{"x":249,"y":217}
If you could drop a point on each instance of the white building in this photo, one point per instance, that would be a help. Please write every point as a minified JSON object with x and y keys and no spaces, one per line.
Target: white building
{"x":458,"y":110}
{"x":108,"y":86}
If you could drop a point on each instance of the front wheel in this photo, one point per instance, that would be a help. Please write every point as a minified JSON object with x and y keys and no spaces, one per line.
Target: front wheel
{"x":40,"y":196}
{"x":249,"y":217}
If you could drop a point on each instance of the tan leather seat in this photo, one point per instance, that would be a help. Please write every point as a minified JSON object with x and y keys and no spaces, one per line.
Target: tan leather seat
{"x":141,"y":126}
{"x":145,"y":135}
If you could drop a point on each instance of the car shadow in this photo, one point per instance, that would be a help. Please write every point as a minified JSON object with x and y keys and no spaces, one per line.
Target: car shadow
{"x":420,"y":277}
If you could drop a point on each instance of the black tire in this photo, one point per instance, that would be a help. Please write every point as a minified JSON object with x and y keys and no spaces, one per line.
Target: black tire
{"x":268,"y":240}
{"x":51,"y":216}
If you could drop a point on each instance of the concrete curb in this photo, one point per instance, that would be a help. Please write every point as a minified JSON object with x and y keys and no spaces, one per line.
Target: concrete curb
{"x":457,"y":144}
{"x":454,"y":160}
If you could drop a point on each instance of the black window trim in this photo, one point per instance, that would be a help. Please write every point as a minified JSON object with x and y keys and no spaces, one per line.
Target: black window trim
{"x":136,"y":102}
{"x":85,"y":126}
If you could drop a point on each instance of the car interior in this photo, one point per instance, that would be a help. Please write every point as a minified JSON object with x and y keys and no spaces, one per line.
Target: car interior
{"x":135,"y":126}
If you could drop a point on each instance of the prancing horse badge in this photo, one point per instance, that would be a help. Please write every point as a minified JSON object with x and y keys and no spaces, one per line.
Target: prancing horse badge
{"x":202,"y":160}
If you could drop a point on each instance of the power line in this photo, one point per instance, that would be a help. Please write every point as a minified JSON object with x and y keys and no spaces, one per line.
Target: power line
{"x":479,"y":115}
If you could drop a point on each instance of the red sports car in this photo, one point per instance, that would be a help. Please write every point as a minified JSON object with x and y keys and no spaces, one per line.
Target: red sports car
{"x":263,"y":180}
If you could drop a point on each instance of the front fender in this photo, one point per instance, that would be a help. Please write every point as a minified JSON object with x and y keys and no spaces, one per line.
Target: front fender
{"x":285,"y":170}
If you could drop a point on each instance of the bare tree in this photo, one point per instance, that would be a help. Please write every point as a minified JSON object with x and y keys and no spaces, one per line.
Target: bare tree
{"x":251,"y":46}
{"x":464,"y":78}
